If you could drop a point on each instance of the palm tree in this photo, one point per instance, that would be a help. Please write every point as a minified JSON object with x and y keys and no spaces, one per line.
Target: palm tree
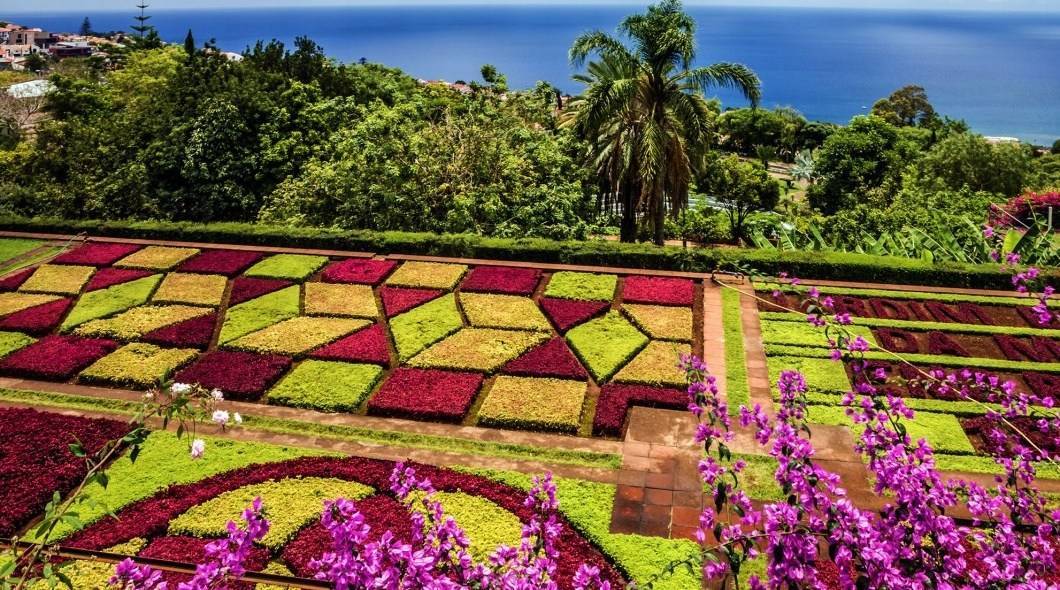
{"x":644,"y":113}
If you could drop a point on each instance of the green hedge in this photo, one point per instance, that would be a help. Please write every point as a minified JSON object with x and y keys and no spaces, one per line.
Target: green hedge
{"x":817,"y":265}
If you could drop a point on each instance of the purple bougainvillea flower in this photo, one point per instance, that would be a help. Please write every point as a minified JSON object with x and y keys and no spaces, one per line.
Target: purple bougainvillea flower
{"x":567,"y":313}
{"x":37,"y":320}
{"x":426,"y":394}
{"x":362,"y":271}
{"x":56,"y":358}
{"x":365,"y":346}
{"x":396,"y":301}
{"x":97,"y":254}
{"x":615,"y":401}
{"x":551,"y":359}
{"x":193,"y":550}
{"x":659,"y":290}
{"x":194,"y":333}
{"x":502,"y":279}
{"x":240,"y":375}
{"x":13,"y":282}
{"x":247,"y":288}
{"x":110,"y":276}
{"x":221,"y":262}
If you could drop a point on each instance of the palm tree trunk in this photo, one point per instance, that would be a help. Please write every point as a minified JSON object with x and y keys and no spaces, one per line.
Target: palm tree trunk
{"x":628,"y":232}
{"x":659,"y":221}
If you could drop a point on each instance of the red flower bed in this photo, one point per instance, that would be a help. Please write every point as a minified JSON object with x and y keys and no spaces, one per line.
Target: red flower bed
{"x":240,"y":375}
{"x":247,"y":288}
{"x":912,"y":386}
{"x":35,"y":459}
{"x":150,"y":517}
{"x":397,"y":301}
{"x":889,"y":309}
{"x":658,"y":290}
{"x":221,"y":262}
{"x":941,"y":343}
{"x":567,"y":313}
{"x":615,"y":401}
{"x":110,"y":276}
{"x":502,"y":279}
{"x":426,"y":394}
{"x":193,"y":550}
{"x":896,"y":340}
{"x":365,"y":346}
{"x":990,"y":437}
{"x":1036,"y":348}
{"x":1023,"y":208}
{"x":194,"y":333}
{"x":1043,"y":384}
{"x":13,"y":282}
{"x":961,"y":313}
{"x":37,"y":320}
{"x":56,"y":358}
{"x":97,"y":254}
{"x":361,"y":271}
{"x":1032,"y":319}
{"x":551,"y":359}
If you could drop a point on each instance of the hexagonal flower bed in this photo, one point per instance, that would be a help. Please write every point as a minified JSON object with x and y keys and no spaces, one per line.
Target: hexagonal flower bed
{"x":478,"y":349}
{"x":502,"y":311}
{"x":534,"y":403}
{"x":297,"y":336}
{"x":426,"y":394}
{"x":192,"y":289}
{"x":157,"y":258}
{"x":334,"y":299}
{"x":606,"y":344}
{"x":581,"y":285}
{"x":430,"y":275}
{"x":138,"y":365}
{"x":292,"y":267}
{"x":54,"y":278}
{"x":326,"y":386}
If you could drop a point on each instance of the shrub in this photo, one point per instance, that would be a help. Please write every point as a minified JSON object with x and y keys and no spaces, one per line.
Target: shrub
{"x":503,"y":311}
{"x":340,"y":300}
{"x":292,"y":267}
{"x":157,"y":258}
{"x":478,"y":349}
{"x":138,"y":365}
{"x":192,"y":289}
{"x":534,"y":403}
{"x":615,"y":401}
{"x":364,"y":346}
{"x":397,"y":301}
{"x":193,"y":333}
{"x":246,"y":288}
{"x":358,"y":270}
{"x":111,"y":300}
{"x":12,"y":341}
{"x":502,"y":279}
{"x":53,"y":278}
{"x":421,"y":327}
{"x":259,"y":313}
{"x":132,"y":324}
{"x":581,"y":285}
{"x":426,"y":394}
{"x":96,"y":253}
{"x":605,"y":344}
{"x":297,"y":336}
{"x":431,"y":275}
{"x":656,"y":364}
{"x":15,"y":302}
{"x":240,"y":375}
{"x":662,"y":322}
{"x":658,"y":290}
{"x":56,"y":358}
{"x":221,"y":262}
{"x":567,"y":313}
{"x":109,"y":276}
{"x":326,"y":386}
{"x":551,"y":359}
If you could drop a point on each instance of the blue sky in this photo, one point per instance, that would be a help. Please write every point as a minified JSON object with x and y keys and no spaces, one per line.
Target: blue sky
{"x":83,"y":5}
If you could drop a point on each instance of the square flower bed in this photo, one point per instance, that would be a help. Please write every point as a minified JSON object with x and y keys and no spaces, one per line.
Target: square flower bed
{"x":662,"y":322}
{"x":333,"y":299}
{"x":221,"y":262}
{"x":96,"y":253}
{"x":584,"y":286}
{"x":157,"y":258}
{"x":502,"y":279}
{"x":292,"y":267}
{"x":534,"y":403}
{"x":192,"y":333}
{"x":110,"y":276}
{"x":192,"y":289}
{"x":397,"y":300}
{"x":659,"y":290}
{"x":40,"y":319}
{"x":606,"y":344}
{"x":615,"y":401}
{"x":426,"y":394}
{"x":361,"y":271}
{"x":138,"y":365}
{"x":261,"y":312}
{"x":478,"y":349}
{"x":109,"y":301}
{"x":54,"y":278}
{"x":567,"y":313}
{"x":431,"y":275}
{"x":56,"y":358}
{"x":552,"y":359}
{"x":240,"y":375}
{"x":364,"y":346}
{"x":15,"y":302}
{"x":422,"y":326}
{"x":326,"y":386}
{"x":297,"y":336}
{"x":656,"y":365}
{"x":503,"y":311}
{"x":131,"y":324}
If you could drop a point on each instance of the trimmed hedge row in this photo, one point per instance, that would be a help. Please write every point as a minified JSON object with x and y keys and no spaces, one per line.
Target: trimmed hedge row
{"x":817,"y":265}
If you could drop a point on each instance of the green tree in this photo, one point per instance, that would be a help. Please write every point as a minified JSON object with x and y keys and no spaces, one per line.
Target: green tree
{"x":742,"y":187}
{"x":86,"y":28}
{"x":496,"y":80}
{"x":968,"y":161}
{"x":1056,"y":147}
{"x":646,"y":99}
{"x":803,"y":169}
{"x":906,"y":107}
{"x":35,"y":62}
{"x":189,"y":44}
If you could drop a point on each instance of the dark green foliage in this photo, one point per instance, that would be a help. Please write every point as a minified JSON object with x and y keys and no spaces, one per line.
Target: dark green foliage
{"x":744,"y":187}
{"x":906,"y":107}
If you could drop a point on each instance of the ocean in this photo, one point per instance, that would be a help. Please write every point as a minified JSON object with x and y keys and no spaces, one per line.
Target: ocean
{"x":998,"y":71}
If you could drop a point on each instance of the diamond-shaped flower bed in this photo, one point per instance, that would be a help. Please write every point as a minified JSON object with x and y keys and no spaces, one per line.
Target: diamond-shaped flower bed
{"x":14,"y":281}
{"x":15,"y":302}
{"x":110,"y":276}
{"x":426,"y":394}
{"x":192,"y":289}
{"x":397,"y":300}
{"x":365,"y":346}
{"x":656,"y":365}
{"x":131,"y":324}
{"x":54,"y":278}
{"x":56,"y":358}
{"x":157,"y":258}
{"x":326,"y":386}
{"x":662,"y":322}
{"x":12,"y":341}
{"x":421,"y":327}
{"x":193,"y":333}
{"x":478,"y":349}
{"x":503,"y":311}
{"x":96,"y":254}
{"x":137,"y":365}
{"x":430,"y":275}
{"x":40,"y":319}
{"x":292,"y":267}
{"x":551,"y":359}
{"x":606,"y":344}
{"x":502,"y":279}
{"x":358,"y":270}
{"x":332,"y":299}
{"x":534,"y":403}
{"x":111,"y":300}
{"x":221,"y":262}
{"x":615,"y":401}
{"x":297,"y":336}
{"x":246,"y":288}
{"x":240,"y":375}
{"x":567,"y":313}
{"x":584,"y":286}
{"x":658,"y":290}
{"x":261,"y":312}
